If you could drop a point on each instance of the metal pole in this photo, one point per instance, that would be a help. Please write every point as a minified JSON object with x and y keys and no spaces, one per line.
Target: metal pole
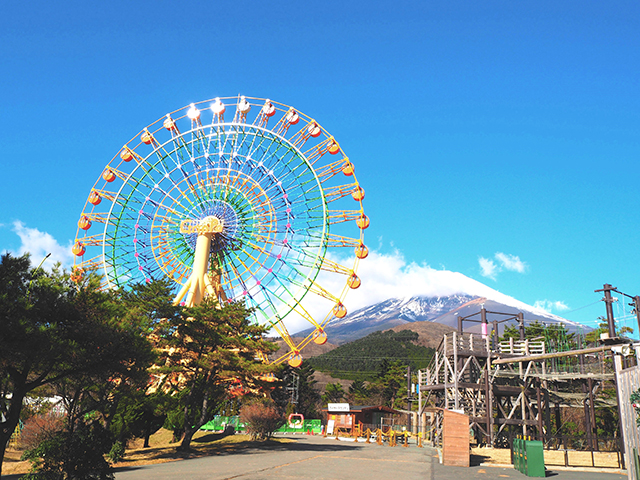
{"x":456,"y":402}
{"x":420,"y":417}
{"x":33,"y":274}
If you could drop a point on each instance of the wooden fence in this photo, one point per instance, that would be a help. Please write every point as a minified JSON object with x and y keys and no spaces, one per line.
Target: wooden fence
{"x":628,"y":382}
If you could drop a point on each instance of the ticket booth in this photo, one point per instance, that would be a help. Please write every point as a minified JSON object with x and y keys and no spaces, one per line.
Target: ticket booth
{"x":351,"y":418}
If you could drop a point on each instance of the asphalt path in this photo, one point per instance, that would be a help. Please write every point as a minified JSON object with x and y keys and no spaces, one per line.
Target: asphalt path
{"x":315,"y":457}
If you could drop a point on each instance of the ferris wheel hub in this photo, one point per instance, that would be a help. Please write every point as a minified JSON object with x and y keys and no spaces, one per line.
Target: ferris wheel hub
{"x":209,"y":224}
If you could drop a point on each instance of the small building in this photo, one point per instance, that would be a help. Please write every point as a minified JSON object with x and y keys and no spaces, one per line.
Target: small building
{"x":349,"y":417}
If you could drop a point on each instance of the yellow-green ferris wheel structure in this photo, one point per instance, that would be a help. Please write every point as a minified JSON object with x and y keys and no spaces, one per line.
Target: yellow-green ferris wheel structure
{"x":240,"y":198}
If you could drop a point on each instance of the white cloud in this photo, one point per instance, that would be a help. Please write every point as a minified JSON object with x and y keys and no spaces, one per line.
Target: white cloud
{"x":505,"y":261}
{"x":549,"y":306}
{"x":511,"y":262}
{"x":39,"y":244}
{"x":488,"y":268}
{"x":387,"y":276}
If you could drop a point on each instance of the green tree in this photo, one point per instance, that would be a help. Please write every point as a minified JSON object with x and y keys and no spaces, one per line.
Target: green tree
{"x":133,"y":410}
{"x":360,"y":359}
{"x":75,"y":339}
{"x":203,"y":351}
{"x":333,"y":393}
{"x":603,"y":327}
{"x":556,"y":336}
{"x":308,"y":395}
{"x":389,"y":388}
{"x":358,"y":393}
{"x":635,"y":403}
{"x":77,"y":454}
{"x":140,"y":414}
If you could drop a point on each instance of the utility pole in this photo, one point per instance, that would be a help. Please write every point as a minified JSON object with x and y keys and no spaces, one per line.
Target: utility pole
{"x":521,"y":326}
{"x":608,"y":300}
{"x":636,"y":308}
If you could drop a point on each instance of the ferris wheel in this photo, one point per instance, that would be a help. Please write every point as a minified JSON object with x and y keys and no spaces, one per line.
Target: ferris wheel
{"x":261,"y":207}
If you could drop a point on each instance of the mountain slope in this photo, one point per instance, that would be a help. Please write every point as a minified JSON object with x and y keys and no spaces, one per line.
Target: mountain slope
{"x":362,"y":358}
{"x":391,"y":313}
{"x":402,"y":313}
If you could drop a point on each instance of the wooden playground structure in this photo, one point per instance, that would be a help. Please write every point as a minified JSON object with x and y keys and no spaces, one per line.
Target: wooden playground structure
{"x":513,"y":387}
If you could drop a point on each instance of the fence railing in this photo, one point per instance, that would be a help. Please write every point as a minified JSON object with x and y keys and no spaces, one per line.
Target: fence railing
{"x":574,"y":451}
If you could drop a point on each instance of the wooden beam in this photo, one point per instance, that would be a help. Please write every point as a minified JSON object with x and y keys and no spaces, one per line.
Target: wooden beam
{"x":544,"y":356}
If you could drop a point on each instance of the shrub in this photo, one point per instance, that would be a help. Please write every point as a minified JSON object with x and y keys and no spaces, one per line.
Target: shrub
{"x":68,"y":455}
{"x":39,"y":428}
{"x":117,"y":452}
{"x":262,"y":419}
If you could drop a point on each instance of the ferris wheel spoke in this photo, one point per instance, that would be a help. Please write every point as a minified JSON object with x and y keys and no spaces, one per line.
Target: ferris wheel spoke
{"x":310,"y":130}
{"x":334,"y":267}
{"x":339,"y":191}
{"x":334,"y":240}
{"x":290,"y":263}
{"x":329,"y":171}
{"x":92,"y":240}
{"x":315,"y":153}
{"x":335,"y":217}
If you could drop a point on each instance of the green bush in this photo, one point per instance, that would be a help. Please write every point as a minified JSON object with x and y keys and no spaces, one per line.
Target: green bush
{"x":77,"y":454}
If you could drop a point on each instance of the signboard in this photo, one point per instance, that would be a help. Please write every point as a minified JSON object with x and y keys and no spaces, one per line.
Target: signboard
{"x":338,"y":407}
{"x":330,"y":425}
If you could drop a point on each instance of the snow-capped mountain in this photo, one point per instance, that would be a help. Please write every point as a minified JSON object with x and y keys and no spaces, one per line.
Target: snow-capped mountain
{"x":444,"y":310}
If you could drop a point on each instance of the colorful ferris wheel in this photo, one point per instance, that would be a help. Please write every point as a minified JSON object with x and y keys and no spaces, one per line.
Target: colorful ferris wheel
{"x":261,"y":207}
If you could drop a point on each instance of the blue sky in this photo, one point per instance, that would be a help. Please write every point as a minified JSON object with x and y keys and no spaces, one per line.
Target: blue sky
{"x":495,"y":139}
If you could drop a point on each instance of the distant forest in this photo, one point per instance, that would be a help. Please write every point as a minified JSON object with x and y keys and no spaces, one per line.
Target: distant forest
{"x":363,"y":359}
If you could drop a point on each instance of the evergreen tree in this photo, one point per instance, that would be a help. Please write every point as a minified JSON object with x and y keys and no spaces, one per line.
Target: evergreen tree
{"x":358,"y":393}
{"x":308,"y":395}
{"x":333,"y":393}
{"x":204,"y":352}
{"x":361,"y":359}
{"x":75,"y":339}
{"x":389,"y":388}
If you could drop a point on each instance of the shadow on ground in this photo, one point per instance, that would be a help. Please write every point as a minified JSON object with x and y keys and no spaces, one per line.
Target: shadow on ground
{"x":476,"y":460}
{"x":240,"y":448}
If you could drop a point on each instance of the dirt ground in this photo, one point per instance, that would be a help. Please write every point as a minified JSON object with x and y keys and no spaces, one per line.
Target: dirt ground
{"x":551,"y":457}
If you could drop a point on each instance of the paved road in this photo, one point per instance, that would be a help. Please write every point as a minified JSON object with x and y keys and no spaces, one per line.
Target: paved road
{"x":314,"y":457}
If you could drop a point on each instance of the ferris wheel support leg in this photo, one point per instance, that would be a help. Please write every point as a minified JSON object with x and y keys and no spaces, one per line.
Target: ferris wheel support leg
{"x":183,"y":291}
{"x":199,"y":284}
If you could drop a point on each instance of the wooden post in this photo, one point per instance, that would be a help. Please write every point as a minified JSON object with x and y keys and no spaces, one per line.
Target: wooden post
{"x":455,"y":371}
{"x":540,"y":412}
{"x":446,"y":373}
{"x":455,"y":439}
